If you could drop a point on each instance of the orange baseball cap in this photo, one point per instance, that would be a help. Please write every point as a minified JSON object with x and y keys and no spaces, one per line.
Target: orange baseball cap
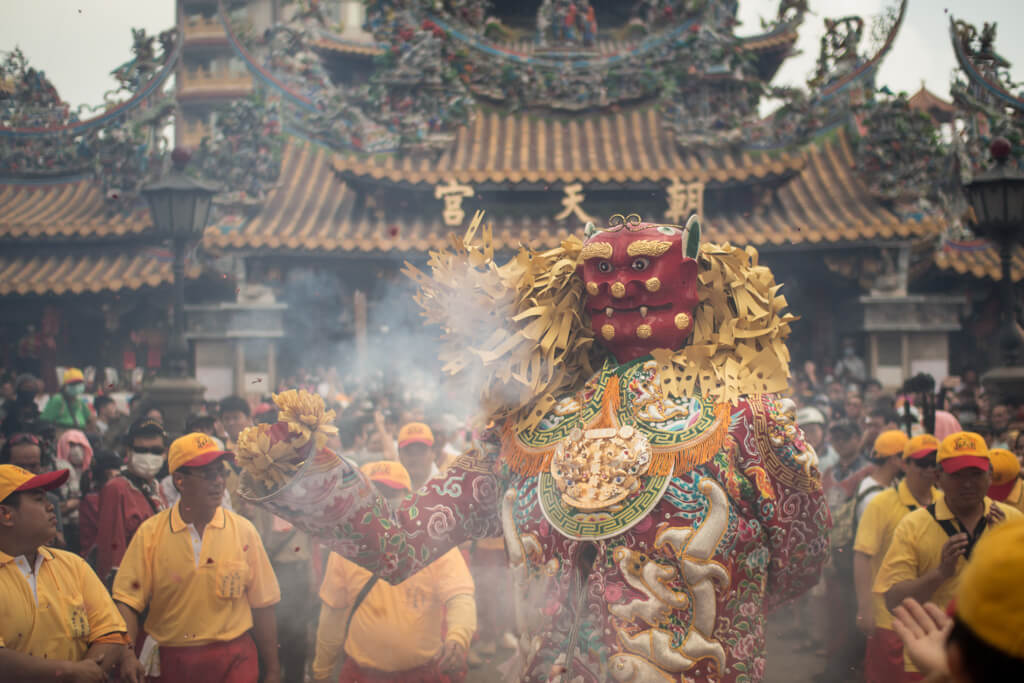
{"x":960,"y":450}
{"x":890,"y":443}
{"x":14,"y":478}
{"x":390,"y":473}
{"x":415,"y":432}
{"x":193,"y":450}
{"x":920,"y":446}
{"x":1005,"y":468}
{"x":989,"y":599}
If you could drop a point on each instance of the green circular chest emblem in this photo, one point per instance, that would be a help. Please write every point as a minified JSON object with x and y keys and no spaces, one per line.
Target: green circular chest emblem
{"x":581,"y":525}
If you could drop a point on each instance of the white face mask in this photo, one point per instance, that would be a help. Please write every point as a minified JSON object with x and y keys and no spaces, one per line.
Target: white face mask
{"x":145,"y":465}
{"x":76,"y":454}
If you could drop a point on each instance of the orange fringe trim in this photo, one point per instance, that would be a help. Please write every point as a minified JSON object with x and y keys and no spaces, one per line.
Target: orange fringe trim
{"x":611,"y":401}
{"x":528,"y":462}
{"x":524,"y":461}
{"x":697,"y":452}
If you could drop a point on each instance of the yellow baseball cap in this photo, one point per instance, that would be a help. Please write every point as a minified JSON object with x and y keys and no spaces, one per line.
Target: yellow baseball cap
{"x":390,"y":473}
{"x":890,"y":443}
{"x":415,"y":432}
{"x":960,"y":450}
{"x":1005,"y":468}
{"x":14,"y":478}
{"x":72,"y":375}
{"x":193,"y":450}
{"x":920,"y":446}
{"x":989,"y":600}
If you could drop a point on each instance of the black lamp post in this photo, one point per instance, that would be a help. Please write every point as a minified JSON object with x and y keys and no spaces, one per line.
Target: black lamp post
{"x":180,"y":208}
{"x":997,"y":198}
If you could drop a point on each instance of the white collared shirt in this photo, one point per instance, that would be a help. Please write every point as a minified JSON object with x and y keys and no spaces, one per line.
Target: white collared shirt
{"x":30,"y":573}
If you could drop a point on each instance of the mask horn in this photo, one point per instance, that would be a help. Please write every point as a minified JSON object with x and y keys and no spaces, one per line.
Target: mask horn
{"x":589,"y":230}
{"x":691,"y":240}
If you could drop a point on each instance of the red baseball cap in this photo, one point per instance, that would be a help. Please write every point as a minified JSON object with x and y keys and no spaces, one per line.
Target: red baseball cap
{"x":14,"y":478}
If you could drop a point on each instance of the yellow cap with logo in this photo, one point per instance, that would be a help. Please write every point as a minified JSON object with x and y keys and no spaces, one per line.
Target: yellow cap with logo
{"x":961,"y":450}
{"x":193,"y":450}
{"x":390,"y":473}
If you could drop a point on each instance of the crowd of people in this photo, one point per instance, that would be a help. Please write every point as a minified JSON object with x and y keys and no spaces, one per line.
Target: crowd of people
{"x":193,"y":582}
{"x":913,"y":479}
{"x":127,"y":554}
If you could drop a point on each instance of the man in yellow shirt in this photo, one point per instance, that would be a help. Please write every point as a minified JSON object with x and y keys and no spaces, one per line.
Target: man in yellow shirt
{"x":393,"y":633}
{"x":1007,"y":486}
{"x":931,"y":545}
{"x":57,"y":622}
{"x":982,"y":641}
{"x":204,"y":576}
{"x":883,"y":658}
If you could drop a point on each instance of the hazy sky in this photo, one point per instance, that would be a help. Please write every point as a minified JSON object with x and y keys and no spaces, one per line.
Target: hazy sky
{"x":78,"y":42}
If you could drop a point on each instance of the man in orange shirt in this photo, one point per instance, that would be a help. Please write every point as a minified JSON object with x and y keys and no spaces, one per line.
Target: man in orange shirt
{"x":205,"y":579}
{"x":57,"y":622}
{"x":393,"y":632}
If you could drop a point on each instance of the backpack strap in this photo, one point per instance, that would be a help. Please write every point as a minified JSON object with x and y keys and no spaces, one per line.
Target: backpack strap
{"x":952,"y":529}
{"x":862,"y":495}
{"x":363,"y":592}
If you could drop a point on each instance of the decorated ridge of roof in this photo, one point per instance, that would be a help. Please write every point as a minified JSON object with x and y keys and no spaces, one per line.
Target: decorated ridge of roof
{"x":603,"y":47}
{"x":72,"y":208}
{"x":317,"y":211}
{"x":77,"y":273}
{"x":622,"y":146}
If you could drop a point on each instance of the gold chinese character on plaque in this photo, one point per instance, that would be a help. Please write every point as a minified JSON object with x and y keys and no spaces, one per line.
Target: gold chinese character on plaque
{"x":453,"y":194}
{"x":573,"y":204}
{"x":684,"y":199}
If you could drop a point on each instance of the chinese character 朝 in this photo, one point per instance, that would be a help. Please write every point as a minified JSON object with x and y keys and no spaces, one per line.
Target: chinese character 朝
{"x":683,"y":200}
{"x":453,"y":194}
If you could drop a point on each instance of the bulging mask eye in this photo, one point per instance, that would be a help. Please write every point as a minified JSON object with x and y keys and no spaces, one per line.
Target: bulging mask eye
{"x":604,"y":266}
{"x":640,"y":264}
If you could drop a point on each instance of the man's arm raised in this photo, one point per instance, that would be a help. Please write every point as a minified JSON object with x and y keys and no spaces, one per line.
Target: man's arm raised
{"x":287,"y":470}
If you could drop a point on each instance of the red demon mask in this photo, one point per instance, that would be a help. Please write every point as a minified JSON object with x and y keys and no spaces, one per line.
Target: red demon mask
{"x":641,"y":282}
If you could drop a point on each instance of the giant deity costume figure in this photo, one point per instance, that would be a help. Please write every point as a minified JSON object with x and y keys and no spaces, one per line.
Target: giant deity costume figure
{"x":655,"y":496}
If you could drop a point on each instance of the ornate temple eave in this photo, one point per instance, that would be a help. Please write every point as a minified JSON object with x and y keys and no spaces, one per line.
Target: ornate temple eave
{"x":621,"y":147}
{"x":74,"y":208}
{"x":976,"y":74}
{"x":823,"y":206}
{"x":40,"y":273}
{"x":980,"y":260}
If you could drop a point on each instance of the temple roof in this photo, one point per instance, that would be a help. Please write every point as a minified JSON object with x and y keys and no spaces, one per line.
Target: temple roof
{"x":930,"y":103}
{"x":84,"y":272}
{"x":315,"y":210}
{"x":66,"y":208}
{"x":979,"y":259}
{"x":613,"y":147}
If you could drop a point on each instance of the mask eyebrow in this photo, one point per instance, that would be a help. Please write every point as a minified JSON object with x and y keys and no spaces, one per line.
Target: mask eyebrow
{"x":648,"y":247}
{"x":596,"y":250}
